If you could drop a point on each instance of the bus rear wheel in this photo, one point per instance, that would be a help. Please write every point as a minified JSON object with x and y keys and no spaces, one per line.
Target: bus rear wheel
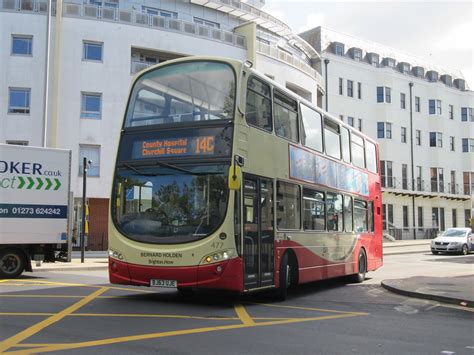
{"x":12,"y":263}
{"x":361,"y":268}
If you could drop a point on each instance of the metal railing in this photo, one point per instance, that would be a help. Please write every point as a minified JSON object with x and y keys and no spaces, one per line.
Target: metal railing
{"x":152,"y":21}
{"x":434,"y":186}
{"x":40,"y":6}
{"x":129,"y":17}
{"x":139,"y":66}
{"x":406,"y":233}
{"x":287,"y":58}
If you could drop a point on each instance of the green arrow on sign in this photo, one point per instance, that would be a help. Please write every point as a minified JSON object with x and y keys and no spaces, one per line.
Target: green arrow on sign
{"x":40,"y":184}
{"x":32,"y":182}
{"x":22,"y":182}
{"x":58,"y":184}
{"x":48,"y":184}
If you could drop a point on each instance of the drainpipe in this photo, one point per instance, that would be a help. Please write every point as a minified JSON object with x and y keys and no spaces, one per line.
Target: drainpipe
{"x":412,"y":161}
{"x":326,"y":62}
{"x":46,"y":75}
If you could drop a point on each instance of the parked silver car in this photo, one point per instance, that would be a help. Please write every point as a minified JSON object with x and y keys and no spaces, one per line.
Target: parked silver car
{"x":454,"y":240}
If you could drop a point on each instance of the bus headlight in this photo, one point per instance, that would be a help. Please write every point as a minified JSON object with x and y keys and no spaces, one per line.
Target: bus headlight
{"x":218,"y":256}
{"x":114,"y":254}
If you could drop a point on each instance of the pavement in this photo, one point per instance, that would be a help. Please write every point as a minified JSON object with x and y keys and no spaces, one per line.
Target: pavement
{"x":457,"y":290}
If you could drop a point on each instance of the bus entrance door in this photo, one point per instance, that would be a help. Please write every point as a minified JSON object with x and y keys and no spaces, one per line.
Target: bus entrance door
{"x":258,"y":233}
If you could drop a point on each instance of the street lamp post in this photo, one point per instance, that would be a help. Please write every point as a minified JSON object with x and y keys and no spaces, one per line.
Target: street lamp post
{"x":85,"y":165}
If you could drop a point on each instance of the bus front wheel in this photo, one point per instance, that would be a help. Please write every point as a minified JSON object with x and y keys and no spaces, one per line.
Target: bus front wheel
{"x":285,"y":279}
{"x":361,"y":268}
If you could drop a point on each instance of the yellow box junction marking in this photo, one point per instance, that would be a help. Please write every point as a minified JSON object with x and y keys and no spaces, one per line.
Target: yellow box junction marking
{"x":246,"y":321}
{"x":19,"y":337}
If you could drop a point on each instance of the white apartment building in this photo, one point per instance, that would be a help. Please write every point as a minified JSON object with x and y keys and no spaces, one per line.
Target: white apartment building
{"x":402,"y":100}
{"x":91,"y":50}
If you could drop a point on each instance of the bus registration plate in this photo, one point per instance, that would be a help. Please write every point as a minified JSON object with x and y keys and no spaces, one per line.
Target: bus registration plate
{"x":163,"y":283}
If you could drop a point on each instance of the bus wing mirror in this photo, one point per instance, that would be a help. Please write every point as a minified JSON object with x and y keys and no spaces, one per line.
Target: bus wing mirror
{"x":235,"y":177}
{"x":235,"y":172}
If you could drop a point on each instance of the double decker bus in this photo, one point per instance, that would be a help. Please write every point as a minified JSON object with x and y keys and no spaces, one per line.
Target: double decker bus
{"x":226,"y":180}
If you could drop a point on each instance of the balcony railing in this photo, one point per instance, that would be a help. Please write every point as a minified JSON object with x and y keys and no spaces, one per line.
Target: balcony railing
{"x":129,"y":17}
{"x":139,"y":66}
{"x":285,"y":57}
{"x":152,"y":21}
{"x":433,"y":186}
{"x":40,"y":6}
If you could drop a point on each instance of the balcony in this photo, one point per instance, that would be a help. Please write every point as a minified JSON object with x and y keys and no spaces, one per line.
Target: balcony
{"x":152,"y":21}
{"x":429,"y":189}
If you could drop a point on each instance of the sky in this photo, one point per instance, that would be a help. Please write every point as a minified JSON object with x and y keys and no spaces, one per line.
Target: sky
{"x":439,"y":31}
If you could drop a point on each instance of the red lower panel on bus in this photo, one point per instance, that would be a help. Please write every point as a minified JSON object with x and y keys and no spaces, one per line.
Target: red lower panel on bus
{"x":224,"y":275}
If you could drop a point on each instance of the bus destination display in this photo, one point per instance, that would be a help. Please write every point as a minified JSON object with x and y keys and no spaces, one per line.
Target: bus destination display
{"x":184,"y":146}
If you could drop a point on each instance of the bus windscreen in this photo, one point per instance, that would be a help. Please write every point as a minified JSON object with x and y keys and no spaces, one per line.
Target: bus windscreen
{"x":183,"y":92}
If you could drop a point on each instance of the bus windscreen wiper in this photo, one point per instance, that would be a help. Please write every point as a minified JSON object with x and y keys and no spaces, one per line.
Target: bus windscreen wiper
{"x":174,"y":167}
{"x":128,"y":166}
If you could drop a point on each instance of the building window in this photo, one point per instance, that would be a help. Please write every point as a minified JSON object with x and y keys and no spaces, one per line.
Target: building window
{"x":405,"y":176}
{"x":158,"y":12}
{"x":453,"y":182}
{"x":91,"y":105}
{"x":380,"y":94}
{"x":402,"y":101}
{"x":341,"y":86}
{"x":384,"y":130}
{"x":420,"y":184}
{"x":451,"y":143}
{"x":437,"y":179}
{"x":339,"y":49}
{"x":468,"y":186}
{"x":388,"y":95}
{"x":19,"y":100}
{"x":420,"y":218}
{"x":24,"y":143}
{"x":386,"y":173}
{"x":92,"y":153}
{"x":387,"y":216}
{"x":359,"y":124}
{"x":359,"y":90}
{"x":451,"y":112}
{"x":455,"y":218}
{"x":467,"y":114}
{"x":467,"y":218}
{"x":468,"y":145}
{"x":418,"y":137}
{"x":405,"y":217}
{"x":92,"y":51}
{"x":350,"y":121}
{"x":350,"y":88}
{"x":22,"y":45}
{"x":434,"y":107}
{"x":417,"y":104}
{"x":404,"y":134}
{"x":207,"y":23}
{"x":357,"y":55}
{"x":436,"y":139}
